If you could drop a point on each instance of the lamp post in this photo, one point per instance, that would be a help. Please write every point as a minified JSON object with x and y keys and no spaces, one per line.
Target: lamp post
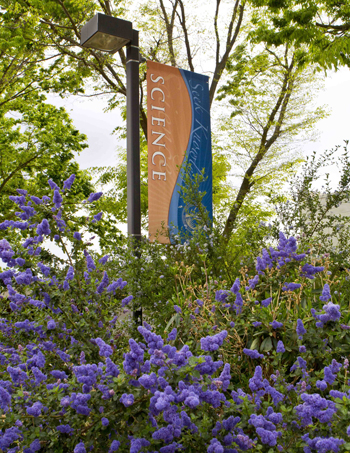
{"x":110,"y":34}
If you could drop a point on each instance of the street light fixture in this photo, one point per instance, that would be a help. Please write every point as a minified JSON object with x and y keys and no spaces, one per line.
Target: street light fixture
{"x":106,"y":33}
{"x":110,"y":34}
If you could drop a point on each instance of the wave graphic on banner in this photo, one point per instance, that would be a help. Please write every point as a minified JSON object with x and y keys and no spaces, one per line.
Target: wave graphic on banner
{"x":197,"y":156}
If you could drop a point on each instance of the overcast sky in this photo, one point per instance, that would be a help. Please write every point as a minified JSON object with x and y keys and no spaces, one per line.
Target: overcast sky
{"x":89,"y":118}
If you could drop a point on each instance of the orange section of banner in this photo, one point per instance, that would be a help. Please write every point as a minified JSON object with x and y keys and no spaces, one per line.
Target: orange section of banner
{"x":168,"y":130}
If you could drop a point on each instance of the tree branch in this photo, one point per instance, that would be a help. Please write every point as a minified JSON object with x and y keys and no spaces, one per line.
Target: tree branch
{"x":70,"y":18}
{"x":169,"y":29}
{"x":265,"y":144}
{"x":221,"y":63}
{"x":182,"y":20}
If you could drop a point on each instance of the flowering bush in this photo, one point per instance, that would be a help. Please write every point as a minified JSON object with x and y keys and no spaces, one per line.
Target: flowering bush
{"x":64,"y":388}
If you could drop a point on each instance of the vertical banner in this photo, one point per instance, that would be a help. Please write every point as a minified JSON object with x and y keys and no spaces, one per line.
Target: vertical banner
{"x":178,"y":132}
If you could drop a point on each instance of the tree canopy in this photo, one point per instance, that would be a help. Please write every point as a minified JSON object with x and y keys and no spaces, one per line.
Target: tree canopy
{"x":197,"y":36}
{"x":319,"y":29}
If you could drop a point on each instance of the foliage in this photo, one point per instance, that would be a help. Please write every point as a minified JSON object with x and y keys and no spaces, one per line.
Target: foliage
{"x":171,"y":33}
{"x":318,"y":29}
{"x":272,"y":110}
{"x":37,"y":144}
{"x":37,"y":140}
{"x":314,"y":212}
{"x":61,"y":353}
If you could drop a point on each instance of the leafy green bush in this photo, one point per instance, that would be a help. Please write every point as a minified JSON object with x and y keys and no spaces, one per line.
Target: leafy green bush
{"x":64,"y":386}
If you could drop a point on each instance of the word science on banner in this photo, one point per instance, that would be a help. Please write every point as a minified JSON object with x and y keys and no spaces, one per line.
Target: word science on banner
{"x":179,"y":136}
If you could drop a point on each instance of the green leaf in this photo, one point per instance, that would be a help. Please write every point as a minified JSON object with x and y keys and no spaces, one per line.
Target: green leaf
{"x":266,"y":345}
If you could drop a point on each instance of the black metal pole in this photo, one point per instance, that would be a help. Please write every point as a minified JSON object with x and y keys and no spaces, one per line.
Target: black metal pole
{"x":133,"y":150}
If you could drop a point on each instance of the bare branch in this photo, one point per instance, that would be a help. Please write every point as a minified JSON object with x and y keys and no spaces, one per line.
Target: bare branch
{"x":221,"y":63}
{"x":182,"y":20}
{"x":217,"y":55}
{"x":169,"y":23}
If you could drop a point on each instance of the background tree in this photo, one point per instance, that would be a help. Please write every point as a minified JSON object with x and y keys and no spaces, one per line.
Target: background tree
{"x":272,"y":105}
{"x":320,"y":30}
{"x":192,"y":35}
{"x":312,"y":212}
{"x":37,"y":140}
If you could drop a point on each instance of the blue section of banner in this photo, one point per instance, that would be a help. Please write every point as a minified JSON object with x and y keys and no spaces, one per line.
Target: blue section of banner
{"x":198,"y":156}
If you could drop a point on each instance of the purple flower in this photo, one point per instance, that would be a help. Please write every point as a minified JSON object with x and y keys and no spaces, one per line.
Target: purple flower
{"x":104,"y":259}
{"x":280,"y":347}
{"x":215,"y":446}
{"x":80,"y":448}
{"x":221,"y":295}
{"x":51,"y":324}
{"x":235,"y":286}
{"x":53,"y":185}
{"x":134,"y":358}
{"x":276,"y":325}
{"x":111,"y":368}
{"x":253,"y":353}
{"x":302,"y":348}
{"x":253,"y":282}
{"x":328,"y":375}
{"x":326,"y":293}
{"x":5,"y":399}
{"x":138,"y":444}
{"x":177,"y":309}
{"x":105,"y":349}
{"x":90,"y":263}
{"x":35,"y":410}
{"x":43,"y":228}
{"x":114,"y":446}
{"x":213,"y":343}
{"x":97,"y":217}
{"x":308,"y":270}
{"x":59,"y":374}
{"x":44,"y":269}
{"x":103,"y":284}
{"x":268,"y":437}
{"x":104,"y":421}
{"x":172,"y":335}
{"x":65,"y":429}
{"x":69,"y":182}
{"x":266,"y":302}
{"x":127,"y":400}
{"x":257,"y":323}
{"x":63,"y":356}
{"x":77,"y":236}
{"x":70,"y":273}
{"x":232,"y":324}
{"x":322,"y":444}
{"x":291,"y":286}
{"x":300,"y":328}
{"x":17,"y":375}
{"x":332,"y":314}
{"x":94,"y":197}
{"x":127,"y":300}
{"x":322,"y":385}
{"x":79,"y":403}
{"x":8,"y":437}
{"x":57,"y":199}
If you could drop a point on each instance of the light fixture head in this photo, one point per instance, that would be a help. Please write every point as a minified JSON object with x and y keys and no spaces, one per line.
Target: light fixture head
{"x":106,"y":33}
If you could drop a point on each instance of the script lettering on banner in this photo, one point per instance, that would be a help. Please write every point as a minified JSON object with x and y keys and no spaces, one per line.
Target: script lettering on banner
{"x":178,"y":132}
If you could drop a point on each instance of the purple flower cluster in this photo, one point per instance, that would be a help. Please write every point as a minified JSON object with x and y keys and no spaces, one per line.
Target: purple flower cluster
{"x":332,"y":313}
{"x":213,"y":343}
{"x":253,"y":353}
{"x":291,"y":286}
{"x":315,"y":406}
